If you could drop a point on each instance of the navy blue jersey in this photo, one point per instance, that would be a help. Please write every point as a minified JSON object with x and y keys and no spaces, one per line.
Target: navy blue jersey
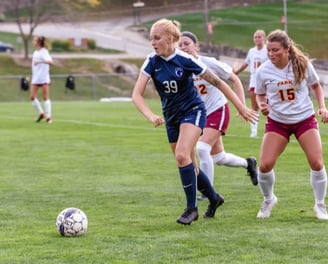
{"x":173,"y":79}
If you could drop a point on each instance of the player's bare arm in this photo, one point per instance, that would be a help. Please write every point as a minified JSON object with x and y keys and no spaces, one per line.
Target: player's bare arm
{"x":138,"y":100}
{"x":246,"y":113}
{"x":237,"y":70}
{"x":238,"y":86}
{"x":322,"y":110}
{"x":261,"y":100}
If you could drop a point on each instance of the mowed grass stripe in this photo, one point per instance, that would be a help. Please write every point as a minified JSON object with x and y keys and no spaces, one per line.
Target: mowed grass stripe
{"x":127,"y":182}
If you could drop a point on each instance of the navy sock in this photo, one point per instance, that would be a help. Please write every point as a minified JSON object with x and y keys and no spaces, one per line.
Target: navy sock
{"x":188,"y":179}
{"x":205,"y":187}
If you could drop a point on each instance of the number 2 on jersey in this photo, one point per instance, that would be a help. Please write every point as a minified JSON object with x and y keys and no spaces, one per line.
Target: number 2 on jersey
{"x":202,"y":89}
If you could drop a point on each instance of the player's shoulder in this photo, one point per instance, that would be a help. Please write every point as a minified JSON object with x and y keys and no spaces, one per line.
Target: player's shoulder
{"x":151,"y":56}
{"x":267,"y":64}
{"x":266,"y":67}
{"x":207,"y":59}
{"x":44,"y":50}
{"x":184,"y":57}
{"x":252,"y":50}
{"x":214,"y":63}
{"x":149,"y":62}
{"x":181,"y":54}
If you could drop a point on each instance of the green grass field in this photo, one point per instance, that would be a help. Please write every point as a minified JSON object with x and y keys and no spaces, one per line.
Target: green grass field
{"x":106,"y":159}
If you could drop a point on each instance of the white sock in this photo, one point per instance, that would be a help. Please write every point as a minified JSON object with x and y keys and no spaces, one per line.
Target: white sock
{"x":47,"y":106}
{"x":37,"y":105}
{"x":318,"y":181}
{"x":266,"y":183}
{"x":254,"y":128}
{"x":229,"y":159}
{"x":205,"y":160}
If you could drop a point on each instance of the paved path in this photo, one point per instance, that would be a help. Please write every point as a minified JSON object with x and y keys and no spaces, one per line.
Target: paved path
{"x":114,"y":34}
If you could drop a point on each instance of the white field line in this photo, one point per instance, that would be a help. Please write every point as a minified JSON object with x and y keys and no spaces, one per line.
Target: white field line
{"x":86,"y":123}
{"x":145,"y":128}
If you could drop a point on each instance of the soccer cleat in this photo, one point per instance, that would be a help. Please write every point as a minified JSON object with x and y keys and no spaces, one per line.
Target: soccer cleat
{"x":49,"y":120}
{"x":211,"y":209}
{"x":320,"y":211}
{"x":266,"y":208}
{"x":40,"y":117}
{"x":202,"y":198}
{"x":251,"y":170}
{"x":189,"y":215}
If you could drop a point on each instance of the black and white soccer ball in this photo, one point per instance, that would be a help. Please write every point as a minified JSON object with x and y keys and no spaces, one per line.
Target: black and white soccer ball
{"x":72,"y":222}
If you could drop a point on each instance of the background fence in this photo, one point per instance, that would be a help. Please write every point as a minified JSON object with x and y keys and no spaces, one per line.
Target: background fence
{"x":94,"y":86}
{"x":87,"y":87}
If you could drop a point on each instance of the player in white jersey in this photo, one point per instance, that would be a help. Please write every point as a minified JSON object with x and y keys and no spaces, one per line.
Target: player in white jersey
{"x":41,"y":62}
{"x":282,"y":93}
{"x":255,"y":57}
{"x":210,"y":148}
{"x":184,"y":111}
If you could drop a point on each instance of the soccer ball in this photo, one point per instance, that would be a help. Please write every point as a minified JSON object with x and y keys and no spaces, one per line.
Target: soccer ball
{"x":72,"y":222}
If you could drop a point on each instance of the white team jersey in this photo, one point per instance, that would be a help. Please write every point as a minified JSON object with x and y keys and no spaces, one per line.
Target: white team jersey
{"x":40,"y":72}
{"x":212,"y":96}
{"x":254,"y":59}
{"x":288,"y":103}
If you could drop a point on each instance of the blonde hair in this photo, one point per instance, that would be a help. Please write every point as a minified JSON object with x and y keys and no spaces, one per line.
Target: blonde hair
{"x":260,"y":31}
{"x":170,"y":27}
{"x":298,"y":58}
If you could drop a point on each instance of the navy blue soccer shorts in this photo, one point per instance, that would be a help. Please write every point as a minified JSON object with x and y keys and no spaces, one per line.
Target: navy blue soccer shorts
{"x":196,"y":117}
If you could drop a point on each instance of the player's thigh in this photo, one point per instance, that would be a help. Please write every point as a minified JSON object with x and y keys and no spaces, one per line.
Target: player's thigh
{"x":310,"y":142}
{"x":218,"y":146}
{"x":45,"y":91}
{"x":210,"y":136}
{"x":272,"y":146}
{"x":188,"y":136}
{"x":33,"y":91}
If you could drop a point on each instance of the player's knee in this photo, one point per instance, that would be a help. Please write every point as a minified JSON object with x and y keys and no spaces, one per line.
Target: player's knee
{"x":203,"y":149}
{"x":220,"y":158}
{"x":265,"y":167}
{"x":182,"y":158}
{"x":316,"y":165}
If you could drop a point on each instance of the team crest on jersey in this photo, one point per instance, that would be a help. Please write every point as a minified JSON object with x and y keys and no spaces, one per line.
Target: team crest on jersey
{"x":178,"y":71}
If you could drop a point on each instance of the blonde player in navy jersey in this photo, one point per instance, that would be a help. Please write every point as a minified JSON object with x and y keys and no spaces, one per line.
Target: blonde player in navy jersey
{"x":184,"y":111}
{"x":282,"y":91}
{"x":255,"y":57}
{"x":41,"y":62}
{"x":210,"y":146}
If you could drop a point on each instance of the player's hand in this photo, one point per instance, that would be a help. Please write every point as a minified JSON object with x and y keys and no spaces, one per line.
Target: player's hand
{"x":235,"y":67}
{"x":157,"y":120}
{"x":324,"y":115}
{"x":242,"y":119}
{"x":264,"y":108}
{"x":250,"y":115}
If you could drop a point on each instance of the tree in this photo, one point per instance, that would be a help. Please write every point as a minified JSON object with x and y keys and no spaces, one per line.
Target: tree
{"x":28,"y":14}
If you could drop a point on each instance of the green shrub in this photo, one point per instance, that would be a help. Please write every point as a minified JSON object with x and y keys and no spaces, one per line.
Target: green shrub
{"x":60,"y":45}
{"x":92,"y":44}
